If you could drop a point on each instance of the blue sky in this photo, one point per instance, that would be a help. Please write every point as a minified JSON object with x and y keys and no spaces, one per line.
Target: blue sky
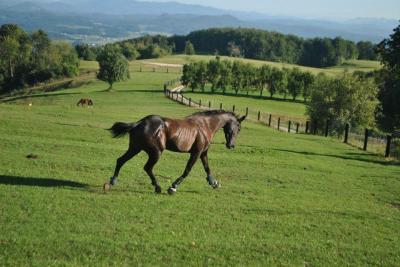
{"x":309,"y":8}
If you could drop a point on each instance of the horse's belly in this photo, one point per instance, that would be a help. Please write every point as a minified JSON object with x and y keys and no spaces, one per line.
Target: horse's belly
{"x":178,"y":145}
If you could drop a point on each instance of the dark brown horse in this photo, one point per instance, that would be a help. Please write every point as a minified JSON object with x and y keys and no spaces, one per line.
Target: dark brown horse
{"x":85,"y":101}
{"x":193,"y":134}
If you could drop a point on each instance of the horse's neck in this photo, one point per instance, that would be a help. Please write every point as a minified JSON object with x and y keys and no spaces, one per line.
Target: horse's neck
{"x":219,"y":122}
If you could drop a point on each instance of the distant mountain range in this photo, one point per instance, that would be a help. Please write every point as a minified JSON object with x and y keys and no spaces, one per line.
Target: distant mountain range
{"x":102,"y":21}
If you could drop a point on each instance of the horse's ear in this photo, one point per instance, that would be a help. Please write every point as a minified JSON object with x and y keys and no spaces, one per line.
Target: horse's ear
{"x":242,"y":118}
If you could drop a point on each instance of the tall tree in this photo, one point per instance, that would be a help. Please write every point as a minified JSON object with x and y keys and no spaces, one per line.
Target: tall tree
{"x":389,"y":81}
{"x":201,"y":74}
{"x":213,"y":72}
{"x":274,"y":81}
{"x":226,"y":75}
{"x":341,"y":100}
{"x":189,"y":48}
{"x":264,"y":77}
{"x":113,"y":65}
{"x":308,"y":79}
{"x":237,"y":75}
{"x":15,"y":50}
{"x":295,"y":82}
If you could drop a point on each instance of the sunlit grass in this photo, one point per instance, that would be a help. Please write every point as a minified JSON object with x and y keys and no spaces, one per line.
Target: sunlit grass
{"x":285,"y":199}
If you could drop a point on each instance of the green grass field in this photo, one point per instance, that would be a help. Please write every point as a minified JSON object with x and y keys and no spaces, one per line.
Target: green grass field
{"x":277,"y":107}
{"x":286,"y":199}
{"x":349,"y":65}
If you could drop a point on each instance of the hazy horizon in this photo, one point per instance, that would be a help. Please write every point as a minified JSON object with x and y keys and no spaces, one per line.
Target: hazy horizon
{"x":317,"y":9}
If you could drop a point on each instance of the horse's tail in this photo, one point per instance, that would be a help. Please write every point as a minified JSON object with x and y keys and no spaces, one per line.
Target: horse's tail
{"x":120,"y":129}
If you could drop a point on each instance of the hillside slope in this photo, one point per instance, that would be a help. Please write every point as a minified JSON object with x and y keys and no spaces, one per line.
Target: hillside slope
{"x":285,"y":199}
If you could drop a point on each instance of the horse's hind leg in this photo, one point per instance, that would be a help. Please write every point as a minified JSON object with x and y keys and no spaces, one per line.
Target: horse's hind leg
{"x":154,"y":156}
{"x":121,"y":161}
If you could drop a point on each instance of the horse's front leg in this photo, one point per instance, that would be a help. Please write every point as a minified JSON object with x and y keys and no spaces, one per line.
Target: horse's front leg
{"x":192,"y":160}
{"x":210,"y":179}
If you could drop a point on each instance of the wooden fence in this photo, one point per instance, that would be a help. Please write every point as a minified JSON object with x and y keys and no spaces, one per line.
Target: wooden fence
{"x":388,"y":145}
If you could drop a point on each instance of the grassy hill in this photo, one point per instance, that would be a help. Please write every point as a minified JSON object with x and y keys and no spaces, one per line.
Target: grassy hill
{"x":285,"y":199}
{"x":350,"y":65}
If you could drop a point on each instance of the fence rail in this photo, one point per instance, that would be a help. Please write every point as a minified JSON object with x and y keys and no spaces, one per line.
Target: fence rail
{"x":387,"y":145}
{"x":156,"y":68}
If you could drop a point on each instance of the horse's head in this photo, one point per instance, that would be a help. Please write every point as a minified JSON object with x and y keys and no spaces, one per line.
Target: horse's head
{"x":231,"y":130}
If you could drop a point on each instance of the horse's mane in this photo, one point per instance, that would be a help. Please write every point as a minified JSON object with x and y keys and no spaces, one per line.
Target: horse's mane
{"x":213,"y":112}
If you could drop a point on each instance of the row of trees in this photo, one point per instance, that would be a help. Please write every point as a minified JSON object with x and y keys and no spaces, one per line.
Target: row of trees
{"x":244,"y":77}
{"x":27,"y":59}
{"x":350,"y":98}
{"x":273,"y":46}
{"x":139,"y":48}
{"x":248,"y":43}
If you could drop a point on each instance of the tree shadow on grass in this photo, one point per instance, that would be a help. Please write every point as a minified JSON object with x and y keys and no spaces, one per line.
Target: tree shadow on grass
{"x":158,"y":91}
{"x":348,"y":156}
{"x":34,"y":96}
{"x":41,"y":182}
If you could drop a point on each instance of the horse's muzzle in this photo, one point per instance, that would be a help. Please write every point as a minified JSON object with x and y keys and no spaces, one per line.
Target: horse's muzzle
{"x":230,"y":146}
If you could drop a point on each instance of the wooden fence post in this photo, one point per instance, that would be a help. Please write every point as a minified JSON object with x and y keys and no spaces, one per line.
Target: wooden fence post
{"x":190,"y":102}
{"x":289,"y":125}
{"x":247,"y":111}
{"x":279,"y":123}
{"x":326,"y":128}
{"x":388,"y":143}
{"x":165,"y":88}
{"x":233,"y":108}
{"x":297,"y":127}
{"x":307,"y":126}
{"x":200,"y":103}
{"x":209,"y":104}
{"x":258,"y":115}
{"x":270,"y":120}
{"x":346,"y":133}
{"x":220,"y":106}
{"x":366,"y":139}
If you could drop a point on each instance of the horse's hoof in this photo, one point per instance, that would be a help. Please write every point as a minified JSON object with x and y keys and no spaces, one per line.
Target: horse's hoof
{"x":216,"y":185}
{"x":158,"y":189}
{"x":106,"y":187}
{"x":171,"y":190}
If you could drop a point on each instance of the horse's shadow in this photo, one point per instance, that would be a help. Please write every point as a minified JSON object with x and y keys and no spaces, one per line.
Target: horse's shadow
{"x":41,"y":182}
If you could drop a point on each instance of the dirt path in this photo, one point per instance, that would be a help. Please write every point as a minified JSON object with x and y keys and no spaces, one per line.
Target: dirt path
{"x":163,"y":64}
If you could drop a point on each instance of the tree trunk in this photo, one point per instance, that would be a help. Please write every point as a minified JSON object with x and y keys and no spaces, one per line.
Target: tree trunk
{"x":11,"y":68}
{"x":110,"y":87}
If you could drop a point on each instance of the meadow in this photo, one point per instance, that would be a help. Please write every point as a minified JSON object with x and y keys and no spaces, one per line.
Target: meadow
{"x":348,"y":65}
{"x":286,"y":199}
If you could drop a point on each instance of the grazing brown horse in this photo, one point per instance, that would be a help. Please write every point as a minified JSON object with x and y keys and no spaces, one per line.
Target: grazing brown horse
{"x":85,"y":101}
{"x":193,"y":134}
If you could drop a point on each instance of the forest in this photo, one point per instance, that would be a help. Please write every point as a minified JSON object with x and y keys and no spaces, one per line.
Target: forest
{"x":30,"y":58}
